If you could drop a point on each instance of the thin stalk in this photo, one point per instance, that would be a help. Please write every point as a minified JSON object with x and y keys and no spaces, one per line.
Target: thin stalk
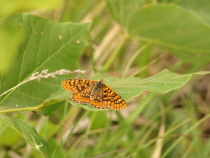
{"x":87,"y":133}
{"x":146,"y":66}
{"x":188,"y":131}
{"x":114,"y":54}
{"x":134,"y":57}
{"x":22,"y":109}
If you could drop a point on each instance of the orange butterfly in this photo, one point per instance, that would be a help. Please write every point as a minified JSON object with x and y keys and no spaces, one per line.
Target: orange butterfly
{"x":95,"y":93}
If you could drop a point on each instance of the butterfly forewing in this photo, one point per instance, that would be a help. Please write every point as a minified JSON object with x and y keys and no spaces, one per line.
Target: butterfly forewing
{"x":112,"y":100}
{"x":77,"y":85}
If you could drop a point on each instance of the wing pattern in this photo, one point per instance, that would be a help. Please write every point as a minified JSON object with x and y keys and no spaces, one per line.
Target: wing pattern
{"x":77,"y":85}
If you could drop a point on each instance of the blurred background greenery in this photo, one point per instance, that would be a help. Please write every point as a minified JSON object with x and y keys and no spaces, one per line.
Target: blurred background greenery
{"x":127,"y":38}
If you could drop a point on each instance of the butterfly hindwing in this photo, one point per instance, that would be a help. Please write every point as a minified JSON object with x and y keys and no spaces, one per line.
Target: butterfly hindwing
{"x":84,"y":96}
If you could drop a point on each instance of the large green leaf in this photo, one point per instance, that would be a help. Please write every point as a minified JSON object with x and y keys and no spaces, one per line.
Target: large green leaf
{"x":186,"y":34}
{"x":163,"y":82}
{"x":46,"y":45}
{"x":29,"y":134}
{"x":201,"y":8}
{"x":9,"y":42}
{"x":121,"y":10}
{"x":171,"y":26}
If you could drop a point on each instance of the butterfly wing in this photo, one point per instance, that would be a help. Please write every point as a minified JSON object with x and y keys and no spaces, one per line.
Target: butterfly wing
{"x":112,"y":100}
{"x":77,"y":85}
{"x":84,"y":96}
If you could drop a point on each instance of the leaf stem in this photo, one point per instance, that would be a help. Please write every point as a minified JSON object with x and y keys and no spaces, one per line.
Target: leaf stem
{"x":22,"y":109}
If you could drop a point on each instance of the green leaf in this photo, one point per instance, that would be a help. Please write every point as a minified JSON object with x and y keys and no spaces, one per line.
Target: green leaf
{"x":46,"y":45}
{"x":6,"y":132}
{"x":163,"y":82}
{"x":185,"y":33}
{"x":201,"y":8}
{"x":9,"y":43}
{"x":178,"y":29}
{"x":198,"y":60}
{"x":121,"y":10}
{"x":28,"y":133}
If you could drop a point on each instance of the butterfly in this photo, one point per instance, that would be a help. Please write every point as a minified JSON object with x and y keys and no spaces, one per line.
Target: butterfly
{"x":94,"y":93}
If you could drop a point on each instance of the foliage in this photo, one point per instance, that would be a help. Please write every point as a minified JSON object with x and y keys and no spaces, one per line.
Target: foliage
{"x":154,"y":48}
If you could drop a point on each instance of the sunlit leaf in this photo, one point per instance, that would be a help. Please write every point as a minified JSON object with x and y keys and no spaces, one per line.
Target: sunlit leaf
{"x":46,"y":45}
{"x":163,"y":82}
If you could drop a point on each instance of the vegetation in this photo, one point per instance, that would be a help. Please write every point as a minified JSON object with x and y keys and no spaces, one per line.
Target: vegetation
{"x":155,"y":54}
